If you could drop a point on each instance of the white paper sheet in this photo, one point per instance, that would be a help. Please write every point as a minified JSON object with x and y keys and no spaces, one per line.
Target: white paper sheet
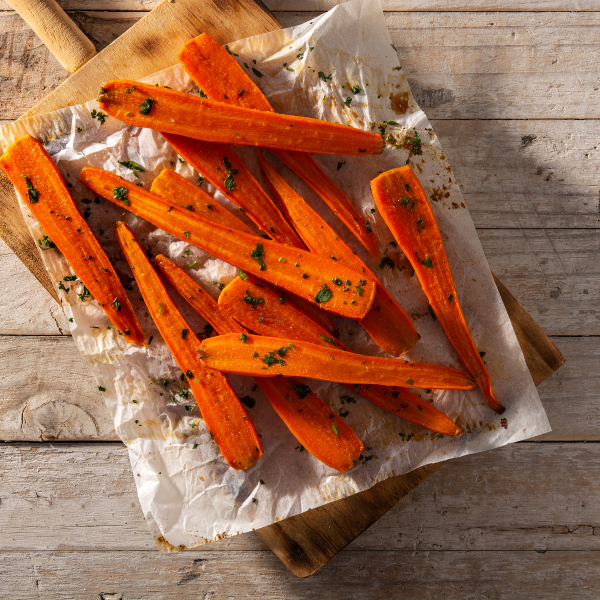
{"x":188,"y":493}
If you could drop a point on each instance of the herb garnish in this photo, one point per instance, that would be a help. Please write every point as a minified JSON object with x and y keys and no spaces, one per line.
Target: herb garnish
{"x":323,"y":295}
{"x":117,"y":304}
{"x":254,"y":302}
{"x":323,"y":77}
{"x":32,"y":193}
{"x":132,"y":166}
{"x":120,"y":193}
{"x":427,"y":261}
{"x":386,"y":260}
{"x":99,"y":115}
{"x":301,"y":390}
{"x":146,"y":106}
{"x":257,"y":72}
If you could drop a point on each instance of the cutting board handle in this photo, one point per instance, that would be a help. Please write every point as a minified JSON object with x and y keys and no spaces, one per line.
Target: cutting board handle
{"x":57,"y":31}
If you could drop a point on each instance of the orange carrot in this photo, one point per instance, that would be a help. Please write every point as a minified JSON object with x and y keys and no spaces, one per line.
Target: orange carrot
{"x":222,"y":79}
{"x":41,"y":186}
{"x":298,"y":271}
{"x":219,"y":75}
{"x":262,"y":311}
{"x":219,"y":164}
{"x":225,"y":417}
{"x":171,"y":185}
{"x":319,"y":430}
{"x":272,"y":356}
{"x":403,"y":204}
{"x":144,"y":105}
{"x":387,"y":322}
{"x":175,"y":188}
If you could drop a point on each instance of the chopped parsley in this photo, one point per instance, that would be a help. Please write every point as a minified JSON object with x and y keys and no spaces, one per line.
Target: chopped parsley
{"x":356,"y":89}
{"x":146,"y":106}
{"x":184,"y":333}
{"x":327,"y":339}
{"x":46,"y":243}
{"x":324,"y":77}
{"x":323,"y":295}
{"x":32,"y":193}
{"x":120,"y":193}
{"x":257,"y":72}
{"x":337,"y":281}
{"x":253,"y":302}
{"x":132,"y":166}
{"x":243,"y":338}
{"x":387,"y":261}
{"x":99,"y":115}
{"x":117,"y":304}
{"x":301,"y":390}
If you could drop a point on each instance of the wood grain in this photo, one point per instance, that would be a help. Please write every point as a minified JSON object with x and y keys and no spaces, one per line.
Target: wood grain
{"x":518,"y":498}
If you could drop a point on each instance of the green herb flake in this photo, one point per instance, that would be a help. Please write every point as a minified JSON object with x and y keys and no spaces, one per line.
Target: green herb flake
{"x":184,"y":333}
{"x":356,"y":89}
{"x":146,"y":106}
{"x":301,"y":390}
{"x":187,"y":234}
{"x":327,"y":339}
{"x":409,"y":381}
{"x":335,"y":430}
{"x":120,"y":193}
{"x":337,"y":281}
{"x":101,"y":388}
{"x":243,"y":338}
{"x":257,"y":72}
{"x":32,"y":193}
{"x":117,"y":304}
{"x":323,"y":295}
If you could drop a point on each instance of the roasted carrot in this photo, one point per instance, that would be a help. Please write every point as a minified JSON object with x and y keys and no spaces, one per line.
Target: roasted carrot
{"x":144,"y":105}
{"x":224,"y":416}
{"x":220,"y":165}
{"x":222,"y":79}
{"x":173,"y":187}
{"x":170,"y":185}
{"x":262,"y":311}
{"x":311,"y":422}
{"x":298,"y":271}
{"x":219,"y":75}
{"x":403,"y":204}
{"x":273,"y":356}
{"x":41,"y":186}
{"x":387,"y":322}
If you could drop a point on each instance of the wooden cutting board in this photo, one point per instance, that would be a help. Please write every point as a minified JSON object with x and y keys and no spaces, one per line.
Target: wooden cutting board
{"x":307,"y":541}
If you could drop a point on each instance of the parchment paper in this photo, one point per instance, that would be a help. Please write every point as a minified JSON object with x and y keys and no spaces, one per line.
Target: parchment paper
{"x":187,"y":492}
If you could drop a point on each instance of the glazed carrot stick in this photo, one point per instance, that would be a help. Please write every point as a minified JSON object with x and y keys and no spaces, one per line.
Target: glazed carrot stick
{"x":225,"y":417}
{"x":42,"y":188}
{"x":169,"y":185}
{"x":175,"y":188}
{"x":320,"y":431}
{"x":298,"y":271}
{"x":262,"y":311}
{"x":387,"y":322}
{"x":220,"y":165}
{"x":272,"y":356}
{"x":404,"y":205}
{"x":222,"y":79}
{"x":144,"y":105}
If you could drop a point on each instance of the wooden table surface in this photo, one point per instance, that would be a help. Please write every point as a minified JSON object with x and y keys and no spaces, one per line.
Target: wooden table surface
{"x":513,"y":90}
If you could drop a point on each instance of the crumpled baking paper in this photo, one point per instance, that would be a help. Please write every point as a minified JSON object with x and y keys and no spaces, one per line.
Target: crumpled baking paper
{"x":188,"y":493}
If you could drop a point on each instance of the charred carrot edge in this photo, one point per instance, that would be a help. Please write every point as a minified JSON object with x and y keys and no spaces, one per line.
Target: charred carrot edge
{"x":298,"y":271}
{"x":403,"y":204}
{"x":222,"y":79}
{"x":220,"y":165}
{"x":224,"y":416}
{"x":273,"y":356}
{"x":144,"y":105}
{"x":262,"y":311}
{"x":173,"y":187}
{"x":387,"y":322}
{"x":309,"y":420}
{"x":38,"y":180}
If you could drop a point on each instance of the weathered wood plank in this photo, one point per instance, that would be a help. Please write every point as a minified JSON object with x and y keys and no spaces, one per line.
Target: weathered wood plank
{"x":43,"y":399}
{"x":257,"y":575}
{"x":85,"y":496}
{"x":388,"y":5}
{"x":27,"y":309}
{"x":459,"y":65}
{"x":554,"y":273}
{"x":47,"y":393}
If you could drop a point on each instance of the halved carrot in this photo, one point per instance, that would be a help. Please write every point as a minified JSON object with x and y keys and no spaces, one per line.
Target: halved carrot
{"x":319,"y":430}
{"x":224,"y":416}
{"x":273,"y":356}
{"x":403,"y":204}
{"x":387,"y":322}
{"x":260,"y":309}
{"x":41,"y":186}
{"x":170,"y":185}
{"x":144,"y":105}
{"x":222,"y":79}
{"x":173,"y":187}
{"x":298,"y":271}
{"x":220,"y":165}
